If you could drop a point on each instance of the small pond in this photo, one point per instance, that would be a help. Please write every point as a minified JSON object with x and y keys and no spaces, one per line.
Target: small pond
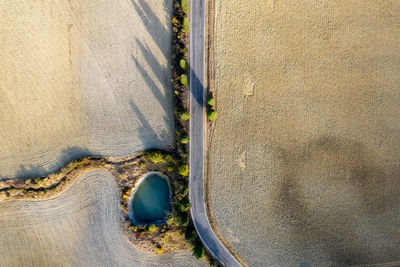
{"x":151,"y":200}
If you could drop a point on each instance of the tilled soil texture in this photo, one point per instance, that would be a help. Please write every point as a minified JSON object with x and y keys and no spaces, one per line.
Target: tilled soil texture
{"x":82,"y":78}
{"x":80,"y":227}
{"x":304,"y":159}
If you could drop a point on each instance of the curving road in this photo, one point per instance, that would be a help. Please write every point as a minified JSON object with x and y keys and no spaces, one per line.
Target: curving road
{"x":197,"y":131}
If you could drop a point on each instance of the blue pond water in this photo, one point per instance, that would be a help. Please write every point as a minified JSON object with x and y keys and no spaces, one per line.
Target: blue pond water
{"x":151,"y":201}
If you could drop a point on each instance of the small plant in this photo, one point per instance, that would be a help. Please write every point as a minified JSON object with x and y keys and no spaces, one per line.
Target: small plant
{"x":156,"y":157}
{"x":185,"y":6}
{"x":184,"y":139}
{"x":185,"y":50}
{"x":183,"y":64}
{"x":185,"y":190}
{"x":185,"y":221}
{"x":198,"y":251}
{"x":186,"y":25}
{"x":211,"y":115}
{"x":184,"y":170}
{"x":170,"y":169}
{"x":185,"y":115}
{"x":170,"y":221}
{"x":211,"y":101}
{"x":185,"y":204}
{"x":160,"y":250}
{"x":176,"y":92}
{"x":152,"y":228}
{"x":184,"y":80}
{"x":175,"y":21}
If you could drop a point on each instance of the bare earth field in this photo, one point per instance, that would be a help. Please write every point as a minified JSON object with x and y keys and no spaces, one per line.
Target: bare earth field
{"x":82,"y":78}
{"x":304,"y":159}
{"x":80,"y":227}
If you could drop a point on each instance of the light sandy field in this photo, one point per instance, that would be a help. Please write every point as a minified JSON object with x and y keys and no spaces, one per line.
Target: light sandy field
{"x":80,"y":227}
{"x":82,"y":77}
{"x":305,"y":153}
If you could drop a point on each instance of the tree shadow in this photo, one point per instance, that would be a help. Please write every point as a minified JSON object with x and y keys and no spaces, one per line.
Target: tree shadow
{"x":152,"y":86}
{"x":149,"y":137}
{"x":66,"y":155}
{"x":153,"y":25}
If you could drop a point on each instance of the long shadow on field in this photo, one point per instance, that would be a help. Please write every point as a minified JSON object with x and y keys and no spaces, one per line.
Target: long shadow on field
{"x":66,"y":155}
{"x":160,"y":72}
{"x":154,"y":140}
{"x":154,"y":25}
{"x":163,"y":75}
{"x":152,"y":86}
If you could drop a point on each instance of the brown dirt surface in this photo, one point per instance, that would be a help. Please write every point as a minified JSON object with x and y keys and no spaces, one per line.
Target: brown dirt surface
{"x":80,"y":227}
{"x":82,"y":78}
{"x":304,"y":157}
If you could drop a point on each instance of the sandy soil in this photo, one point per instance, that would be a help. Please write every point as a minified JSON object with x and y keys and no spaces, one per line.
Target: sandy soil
{"x":80,"y":227}
{"x":306,"y":145}
{"x":80,"y":78}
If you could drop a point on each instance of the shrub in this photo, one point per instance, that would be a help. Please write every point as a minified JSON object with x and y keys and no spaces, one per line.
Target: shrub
{"x":160,"y":250}
{"x":185,"y":190}
{"x":185,"y":220}
{"x":183,"y":64}
{"x":184,"y":80}
{"x":185,"y":115}
{"x":198,"y":251}
{"x":157,"y":157}
{"x":186,"y":25}
{"x":152,"y":228}
{"x":190,"y":235}
{"x":185,"y":204}
{"x":185,"y":50}
{"x":175,"y":21}
{"x":184,"y":170}
{"x":211,"y":101}
{"x":211,"y":115}
{"x":176,"y":92}
{"x":170,"y":169}
{"x":184,"y":139}
{"x":185,"y":6}
{"x":170,"y":221}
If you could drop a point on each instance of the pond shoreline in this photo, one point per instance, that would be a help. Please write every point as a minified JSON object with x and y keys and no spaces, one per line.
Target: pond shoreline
{"x":134,"y":191}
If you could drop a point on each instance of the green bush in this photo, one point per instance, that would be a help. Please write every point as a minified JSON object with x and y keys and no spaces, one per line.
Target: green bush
{"x":185,"y":204}
{"x":184,"y":80}
{"x":185,"y":50}
{"x":184,"y":170}
{"x":183,"y":64}
{"x":190,"y":235}
{"x":186,"y":25}
{"x":157,"y":157}
{"x":185,"y":190}
{"x":211,"y":101}
{"x":184,"y":139}
{"x":152,"y":228}
{"x":185,"y":220}
{"x":211,"y":115}
{"x":176,"y":92}
{"x":185,"y":6}
{"x":185,"y":115}
{"x":198,"y":251}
